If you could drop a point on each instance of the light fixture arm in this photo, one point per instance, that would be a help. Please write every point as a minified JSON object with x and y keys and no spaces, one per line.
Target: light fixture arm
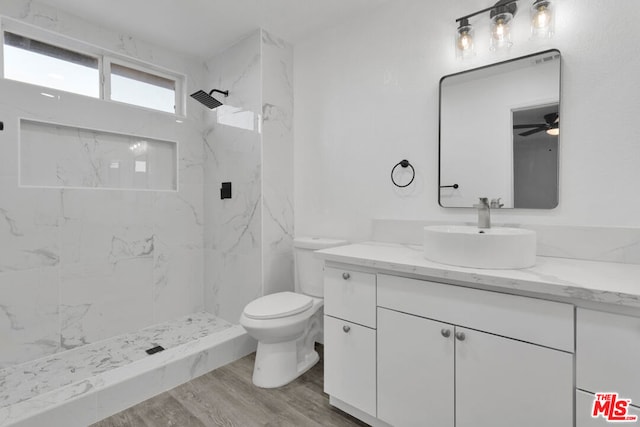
{"x":512,"y":7}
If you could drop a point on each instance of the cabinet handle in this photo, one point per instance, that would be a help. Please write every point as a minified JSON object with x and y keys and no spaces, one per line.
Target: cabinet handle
{"x":346,"y":328}
{"x":460,"y":336}
{"x":446,"y":333}
{"x":346,"y":276}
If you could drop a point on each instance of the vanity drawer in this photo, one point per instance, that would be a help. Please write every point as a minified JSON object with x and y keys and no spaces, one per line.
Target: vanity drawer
{"x":532,"y":320}
{"x":350,"y":295}
{"x":608,"y":353}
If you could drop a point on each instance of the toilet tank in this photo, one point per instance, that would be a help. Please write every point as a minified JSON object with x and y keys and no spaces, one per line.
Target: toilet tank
{"x":309,"y":268}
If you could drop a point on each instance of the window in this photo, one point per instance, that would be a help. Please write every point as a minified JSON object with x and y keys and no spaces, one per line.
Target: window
{"x":141,"y":88}
{"x":74,"y":67}
{"x":31,"y":61}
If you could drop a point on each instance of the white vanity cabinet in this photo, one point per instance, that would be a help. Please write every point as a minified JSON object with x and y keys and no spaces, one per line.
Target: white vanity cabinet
{"x":492,"y":348}
{"x":607,"y":361}
{"x":350,"y":338}
{"x":453,"y":356}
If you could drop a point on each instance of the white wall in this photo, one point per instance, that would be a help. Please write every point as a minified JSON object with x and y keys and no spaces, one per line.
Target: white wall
{"x":366,"y":96}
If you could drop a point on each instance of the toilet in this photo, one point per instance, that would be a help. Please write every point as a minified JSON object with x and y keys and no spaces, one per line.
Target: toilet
{"x":287,"y":324}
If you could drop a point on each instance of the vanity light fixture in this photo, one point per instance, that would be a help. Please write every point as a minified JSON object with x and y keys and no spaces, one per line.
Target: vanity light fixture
{"x":501,"y":15}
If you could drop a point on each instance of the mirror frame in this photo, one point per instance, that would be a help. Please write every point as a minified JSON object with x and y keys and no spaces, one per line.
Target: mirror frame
{"x":496,"y":64}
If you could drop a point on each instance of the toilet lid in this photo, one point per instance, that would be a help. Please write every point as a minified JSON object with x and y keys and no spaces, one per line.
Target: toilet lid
{"x":281,"y":304}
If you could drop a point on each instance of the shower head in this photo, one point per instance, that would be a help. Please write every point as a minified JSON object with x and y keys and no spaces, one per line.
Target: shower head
{"x":207,"y":100}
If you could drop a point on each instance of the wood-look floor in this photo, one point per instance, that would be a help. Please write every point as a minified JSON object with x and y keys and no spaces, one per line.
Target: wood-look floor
{"x":227,"y":397}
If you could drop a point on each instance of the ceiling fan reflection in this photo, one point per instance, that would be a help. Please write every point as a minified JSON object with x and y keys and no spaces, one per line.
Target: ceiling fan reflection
{"x":551,"y":126}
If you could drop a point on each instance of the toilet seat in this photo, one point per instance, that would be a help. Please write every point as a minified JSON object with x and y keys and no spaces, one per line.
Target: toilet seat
{"x":274,"y":306}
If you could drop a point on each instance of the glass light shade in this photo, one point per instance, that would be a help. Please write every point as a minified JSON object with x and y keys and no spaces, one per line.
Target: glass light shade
{"x":464,"y":41}
{"x":501,"y":31}
{"x":541,"y":19}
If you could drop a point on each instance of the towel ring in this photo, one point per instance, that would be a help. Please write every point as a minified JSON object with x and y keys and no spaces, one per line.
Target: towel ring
{"x":404,"y":163}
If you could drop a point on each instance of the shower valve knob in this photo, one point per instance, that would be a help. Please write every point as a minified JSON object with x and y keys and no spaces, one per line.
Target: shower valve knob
{"x":346,"y":276}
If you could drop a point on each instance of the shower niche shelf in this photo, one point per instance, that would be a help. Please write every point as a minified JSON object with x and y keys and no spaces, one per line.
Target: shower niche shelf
{"x":61,"y":156}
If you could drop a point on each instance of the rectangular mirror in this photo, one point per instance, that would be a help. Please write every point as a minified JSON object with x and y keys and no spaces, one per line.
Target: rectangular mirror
{"x":499,"y":131}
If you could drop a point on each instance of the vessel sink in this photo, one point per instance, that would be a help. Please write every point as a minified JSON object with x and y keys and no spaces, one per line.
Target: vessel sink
{"x":470,"y":246}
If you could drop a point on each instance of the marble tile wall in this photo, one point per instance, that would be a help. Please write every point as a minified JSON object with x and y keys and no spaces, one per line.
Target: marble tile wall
{"x":277,"y":164}
{"x":232,"y":153}
{"x":52,"y":155}
{"x":81,"y":265}
{"x":249,"y":142}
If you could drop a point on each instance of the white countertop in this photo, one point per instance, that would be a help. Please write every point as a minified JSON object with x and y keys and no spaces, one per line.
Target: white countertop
{"x":592,"y":281}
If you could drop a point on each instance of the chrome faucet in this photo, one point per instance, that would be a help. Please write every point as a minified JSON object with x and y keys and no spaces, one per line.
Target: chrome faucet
{"x":484,"y":213}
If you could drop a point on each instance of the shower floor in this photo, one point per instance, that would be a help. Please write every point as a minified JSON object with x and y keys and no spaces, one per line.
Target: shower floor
{"x":89,"y":383}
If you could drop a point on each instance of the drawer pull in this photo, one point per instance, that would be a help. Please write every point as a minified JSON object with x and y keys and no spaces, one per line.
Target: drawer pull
{"x":346,"y":328}
{"x":446,"y":333}
{"x":346,"y":276}
{"x":460,"y":336}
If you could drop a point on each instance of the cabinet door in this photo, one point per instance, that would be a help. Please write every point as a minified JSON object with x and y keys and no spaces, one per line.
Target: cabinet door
{"x":415,"y":371}
{"x":584,"y":406}
{"x":350,"y":363}
{"x":608,"y":353}
{"x":502,"y":382}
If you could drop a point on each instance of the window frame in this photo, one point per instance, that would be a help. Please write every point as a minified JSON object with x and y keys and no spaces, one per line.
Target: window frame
{"x":105,"y":59}
{"x":106,"y":84}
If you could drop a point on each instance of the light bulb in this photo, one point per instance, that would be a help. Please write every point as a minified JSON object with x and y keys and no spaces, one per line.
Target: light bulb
{"x":464,"y":40}
{"x":541,"y":19}
{"x":553,"y":131}
{"x":501,"y":31}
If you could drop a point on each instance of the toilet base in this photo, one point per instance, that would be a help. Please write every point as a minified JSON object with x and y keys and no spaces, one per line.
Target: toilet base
{"x":277,"y":364}
{"x":280,"y":363}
